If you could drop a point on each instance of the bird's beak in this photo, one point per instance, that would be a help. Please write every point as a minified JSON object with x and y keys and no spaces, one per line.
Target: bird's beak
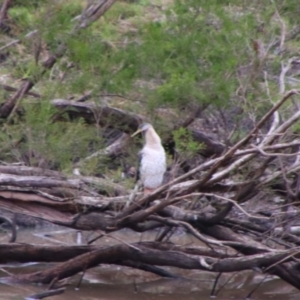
{"x":138,"y":131}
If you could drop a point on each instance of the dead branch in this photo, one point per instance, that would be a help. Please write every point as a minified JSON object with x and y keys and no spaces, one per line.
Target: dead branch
{"x":17,"y":41}
{"x":12,"y":89}
{"x":7,"y":107}
{"x":292,"y":34}
{"x":29,"y":171}
{"x":113,"y":150}
{"x":48,"y":293}
{"x":94,"y":11}
{"x":3,"y":14}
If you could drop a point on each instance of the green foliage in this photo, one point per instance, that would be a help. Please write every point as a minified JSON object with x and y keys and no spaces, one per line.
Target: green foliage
{"x":57,"y":145}
{"x":179,"y":86}
{"x":185,"y":144}
{"x":161,"y":54}
{"x":22,"y":16}
{"x":193,"y":54}
{"x":296,"y":128}
{"x":28,"y":70}
{"x":104,"y":67}
{"x":55,"y":22}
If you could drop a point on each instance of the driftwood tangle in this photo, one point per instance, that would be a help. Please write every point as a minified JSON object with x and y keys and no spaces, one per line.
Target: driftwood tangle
{"x":236,"y":236}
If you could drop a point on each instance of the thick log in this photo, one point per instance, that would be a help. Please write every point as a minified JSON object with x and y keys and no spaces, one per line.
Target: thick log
{"x":56,"y":180}
{"x":24,"y":253}
{"x":36,"y":182}
{"x":138,"y":253}
{"x":102,"y":115}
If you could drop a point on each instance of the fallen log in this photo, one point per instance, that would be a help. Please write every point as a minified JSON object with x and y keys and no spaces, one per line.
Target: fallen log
{"x":139,"y":253}
{"x":102,"y":115}
{"x":24,"y":253}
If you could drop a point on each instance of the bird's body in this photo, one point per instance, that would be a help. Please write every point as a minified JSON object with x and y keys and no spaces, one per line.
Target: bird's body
{"x":153,"y":159}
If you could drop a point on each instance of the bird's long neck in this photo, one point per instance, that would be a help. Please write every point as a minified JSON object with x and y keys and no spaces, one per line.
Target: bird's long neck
{"x":152,"y":139}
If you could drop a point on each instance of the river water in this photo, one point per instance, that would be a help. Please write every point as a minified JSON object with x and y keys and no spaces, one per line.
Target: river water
{"x":120,"y":283}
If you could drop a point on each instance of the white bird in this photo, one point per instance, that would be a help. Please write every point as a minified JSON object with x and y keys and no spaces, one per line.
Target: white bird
{"x":153,"y":159}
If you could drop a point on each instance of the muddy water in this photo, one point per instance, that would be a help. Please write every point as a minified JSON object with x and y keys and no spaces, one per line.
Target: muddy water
{"x":118,"y":283}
